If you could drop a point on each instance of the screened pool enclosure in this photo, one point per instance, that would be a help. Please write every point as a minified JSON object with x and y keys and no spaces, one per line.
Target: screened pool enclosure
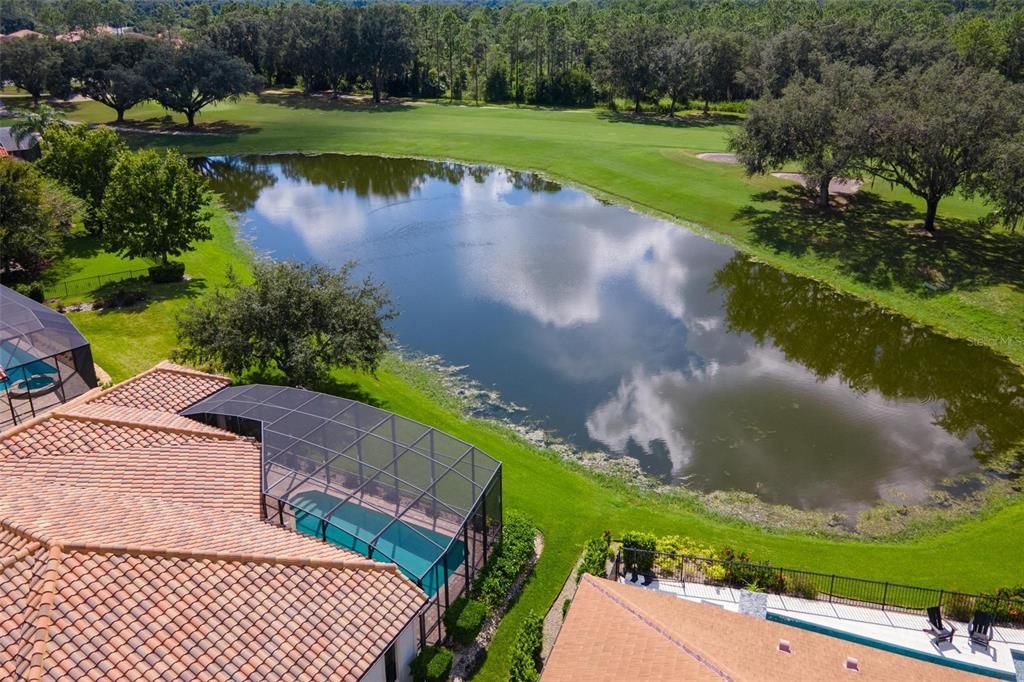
{"x":371,"y":481}
{"x":44,"y":360}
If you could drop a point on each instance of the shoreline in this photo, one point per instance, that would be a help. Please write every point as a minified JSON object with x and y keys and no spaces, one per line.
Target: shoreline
{"x":882,"y":520}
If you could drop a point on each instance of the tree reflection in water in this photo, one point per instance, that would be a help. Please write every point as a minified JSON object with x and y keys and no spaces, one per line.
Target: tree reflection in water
{"x":869,"y":348}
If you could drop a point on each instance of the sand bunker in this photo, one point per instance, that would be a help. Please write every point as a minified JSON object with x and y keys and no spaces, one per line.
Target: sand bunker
{"x":718,"y":157}
{"x":837,"y":186}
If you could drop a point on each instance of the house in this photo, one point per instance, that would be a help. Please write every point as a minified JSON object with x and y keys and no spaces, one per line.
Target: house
{"x":23,"y":33}
{"x":615,"y":631}
{"x":80,"y":33}
{"x":135,"y":544}
{"x":26,"y":148}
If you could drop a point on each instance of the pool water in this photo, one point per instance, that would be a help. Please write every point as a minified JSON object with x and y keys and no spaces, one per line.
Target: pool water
{"x":413,"y":548}
{"x":20,"y":365}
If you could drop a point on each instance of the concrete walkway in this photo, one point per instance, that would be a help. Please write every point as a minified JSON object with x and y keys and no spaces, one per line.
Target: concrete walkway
{"x":891,"y":628}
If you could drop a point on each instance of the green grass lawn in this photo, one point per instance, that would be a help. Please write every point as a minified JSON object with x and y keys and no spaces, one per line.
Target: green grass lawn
{"x":127,"y":341}
{"x":653,"y":167}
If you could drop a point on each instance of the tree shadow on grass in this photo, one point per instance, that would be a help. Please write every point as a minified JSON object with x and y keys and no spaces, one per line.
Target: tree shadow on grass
{"x":879,"y":242}
{"x":168,"y":126}
{"x":122,"y":293}
{"x":332,"y":385}
{"x":679,"y":121}
{"x":298,"y":100}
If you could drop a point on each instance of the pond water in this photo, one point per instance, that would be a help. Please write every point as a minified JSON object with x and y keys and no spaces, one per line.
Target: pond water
{"x":631,"y":335}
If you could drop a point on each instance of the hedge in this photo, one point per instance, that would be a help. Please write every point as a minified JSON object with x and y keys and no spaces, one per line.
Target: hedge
{"x":464,"y":619}
{"x":513,"y":553}
{"x":526,"y":650}
{"x":595,"y":556}
{"x":433,"y":664}
{"x":165,"y":273}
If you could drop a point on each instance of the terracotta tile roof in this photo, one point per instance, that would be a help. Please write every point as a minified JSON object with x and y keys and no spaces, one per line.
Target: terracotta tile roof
{"x":618,"y":632}
{"x":117,"y":616}
{"x":131,"y":546}
{"x":214,"y":474}
{"x":166,"y":387}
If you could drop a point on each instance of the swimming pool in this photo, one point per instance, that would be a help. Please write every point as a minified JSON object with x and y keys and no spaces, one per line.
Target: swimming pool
{"x":891,"y":648}
{"x":413,"y":548}
{"x":20,"y":365}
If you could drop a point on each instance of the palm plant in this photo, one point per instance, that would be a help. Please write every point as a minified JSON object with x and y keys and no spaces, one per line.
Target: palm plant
{"x":36,"y":122}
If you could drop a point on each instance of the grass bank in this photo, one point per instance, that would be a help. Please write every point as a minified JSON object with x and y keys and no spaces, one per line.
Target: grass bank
{"x":967,"y":282}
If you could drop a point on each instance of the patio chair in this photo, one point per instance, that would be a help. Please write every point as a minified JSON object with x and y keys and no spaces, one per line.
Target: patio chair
{"x":941,"y":632}
{"x":980,"y":629}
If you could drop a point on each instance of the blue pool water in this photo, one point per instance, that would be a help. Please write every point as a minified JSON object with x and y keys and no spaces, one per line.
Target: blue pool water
{"x":352,"y":527}
{"x":19,"y":365}
{"x":891,"y":648}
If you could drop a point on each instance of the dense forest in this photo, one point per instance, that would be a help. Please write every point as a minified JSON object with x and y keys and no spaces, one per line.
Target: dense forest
{"x":925,"y":94}
{"x":565,"y":53}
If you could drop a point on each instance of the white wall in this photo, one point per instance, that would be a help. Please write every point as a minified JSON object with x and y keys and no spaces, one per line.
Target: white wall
{"x":405,"y":651}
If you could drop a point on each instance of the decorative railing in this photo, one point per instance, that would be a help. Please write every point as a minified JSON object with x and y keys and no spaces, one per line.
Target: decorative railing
{"x":639,"y":564}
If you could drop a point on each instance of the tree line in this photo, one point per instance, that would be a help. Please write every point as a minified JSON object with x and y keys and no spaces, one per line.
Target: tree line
{"x":572,"y":54}
{"x":920,"y":94}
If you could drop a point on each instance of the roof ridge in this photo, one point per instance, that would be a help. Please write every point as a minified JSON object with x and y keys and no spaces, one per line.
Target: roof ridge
{"x":20,"y":531}
{"x":227,"y":557}
{"x":168,"y":366}
{"x":77,"y":401}
{"x":88,"y":413}
{"x":162,"y":366}
{"x":640,"y":614}
{"x":44,"y":615}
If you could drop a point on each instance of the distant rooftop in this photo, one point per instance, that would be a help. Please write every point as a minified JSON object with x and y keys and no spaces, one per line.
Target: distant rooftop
{"x":615,"y":631}
{"x":12,"y":143}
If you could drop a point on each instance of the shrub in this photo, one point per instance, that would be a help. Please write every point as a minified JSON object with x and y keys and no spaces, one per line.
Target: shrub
{"x":432,"y":664}
{"x":526,"y":650}
{"x":565,"y":607}
{"x":643,"y":560}
{"x":120,"y":295}
{"x":594,"y":559}
{"x":513,"y":553}
{"x":167,"y":272}
{"x":33,"y":291}
{"x":802,"y":586}
{"x":681,"y":546}
{"x":754,"y":577}
{"x":464,"y":619}
{"x":958,"y":607}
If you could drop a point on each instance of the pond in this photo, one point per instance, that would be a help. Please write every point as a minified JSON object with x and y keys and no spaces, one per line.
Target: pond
{"x":630,"y":335}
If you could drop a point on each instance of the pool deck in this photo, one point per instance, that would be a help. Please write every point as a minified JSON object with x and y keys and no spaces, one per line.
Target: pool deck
{"x":892,"y":628}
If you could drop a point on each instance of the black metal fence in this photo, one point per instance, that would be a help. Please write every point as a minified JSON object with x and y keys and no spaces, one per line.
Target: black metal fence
{"x":86,"y":284}
{"x":1008,"y":610}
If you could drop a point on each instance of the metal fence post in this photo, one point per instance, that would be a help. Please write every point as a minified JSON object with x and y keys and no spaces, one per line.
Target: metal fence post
{"x":885,"y":596}
{"x":831,"y":588}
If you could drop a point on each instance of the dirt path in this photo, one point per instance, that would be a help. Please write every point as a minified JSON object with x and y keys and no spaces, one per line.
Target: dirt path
{"x":554,"y":618}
